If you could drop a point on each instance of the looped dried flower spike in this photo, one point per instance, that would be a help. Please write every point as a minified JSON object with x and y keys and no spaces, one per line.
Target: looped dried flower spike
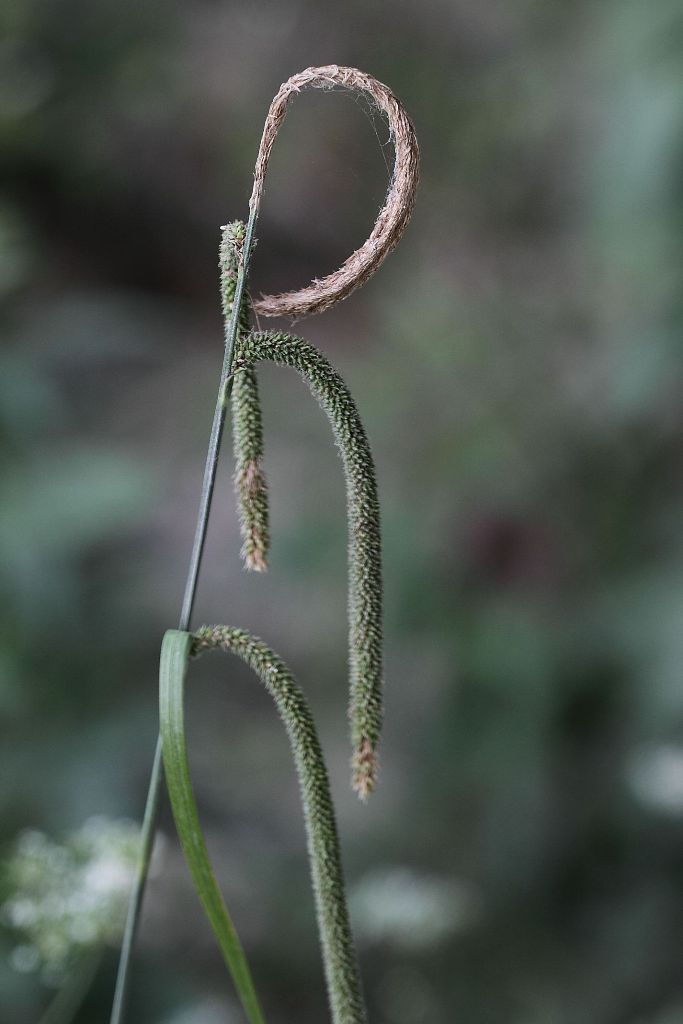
{"x":392,"y":218}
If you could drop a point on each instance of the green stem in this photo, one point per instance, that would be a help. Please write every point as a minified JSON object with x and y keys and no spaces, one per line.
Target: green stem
{"x":147,"y":834}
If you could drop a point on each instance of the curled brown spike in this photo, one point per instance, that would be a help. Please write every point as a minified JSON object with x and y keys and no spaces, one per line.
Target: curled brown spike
{"x":392,"y":218}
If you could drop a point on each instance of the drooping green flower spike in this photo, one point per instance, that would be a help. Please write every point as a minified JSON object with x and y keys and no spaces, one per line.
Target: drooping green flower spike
{"x":341,"y":967}
{"x":365,"y":556}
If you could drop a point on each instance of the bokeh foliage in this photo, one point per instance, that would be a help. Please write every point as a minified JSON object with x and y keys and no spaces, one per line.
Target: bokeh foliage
{"x":517,"y":364}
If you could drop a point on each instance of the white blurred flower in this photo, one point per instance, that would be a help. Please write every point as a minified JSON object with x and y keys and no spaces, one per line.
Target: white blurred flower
{"x":66,"y":898}
{"x":656,"y":778}
{"x":25,"y":959}
{"x":412,"y":910}
{"x":208,"y":1012}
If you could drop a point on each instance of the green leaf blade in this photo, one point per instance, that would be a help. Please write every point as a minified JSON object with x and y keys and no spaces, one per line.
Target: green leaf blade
{"x":175,"y":654}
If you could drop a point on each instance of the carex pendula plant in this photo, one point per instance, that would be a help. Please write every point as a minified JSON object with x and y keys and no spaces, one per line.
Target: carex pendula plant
{"x":245,"y":349}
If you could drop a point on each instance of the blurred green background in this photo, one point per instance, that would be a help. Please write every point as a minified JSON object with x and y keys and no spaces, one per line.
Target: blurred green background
{"x":517,"y":364}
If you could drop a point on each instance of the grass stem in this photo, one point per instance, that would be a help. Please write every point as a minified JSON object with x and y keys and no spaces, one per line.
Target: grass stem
{"x":149,"y":826}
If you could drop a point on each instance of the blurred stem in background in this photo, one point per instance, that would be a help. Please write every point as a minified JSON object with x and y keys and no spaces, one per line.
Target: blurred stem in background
{"x":73,"y":991}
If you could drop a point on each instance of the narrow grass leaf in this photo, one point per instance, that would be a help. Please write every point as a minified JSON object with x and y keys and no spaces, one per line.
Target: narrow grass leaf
{"x":175,"y":652}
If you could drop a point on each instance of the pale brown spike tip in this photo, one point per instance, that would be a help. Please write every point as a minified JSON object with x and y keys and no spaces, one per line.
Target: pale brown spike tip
{"x":255,"y":562}
{"x":365,"y":767}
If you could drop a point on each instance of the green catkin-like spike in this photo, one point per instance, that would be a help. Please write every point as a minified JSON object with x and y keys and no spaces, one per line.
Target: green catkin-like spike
{"x":247,"y":426}
{"x":341,"y":969}
{"x":250,"y":481}
{"x":365,"y":557}
{"x":232,"y":241}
